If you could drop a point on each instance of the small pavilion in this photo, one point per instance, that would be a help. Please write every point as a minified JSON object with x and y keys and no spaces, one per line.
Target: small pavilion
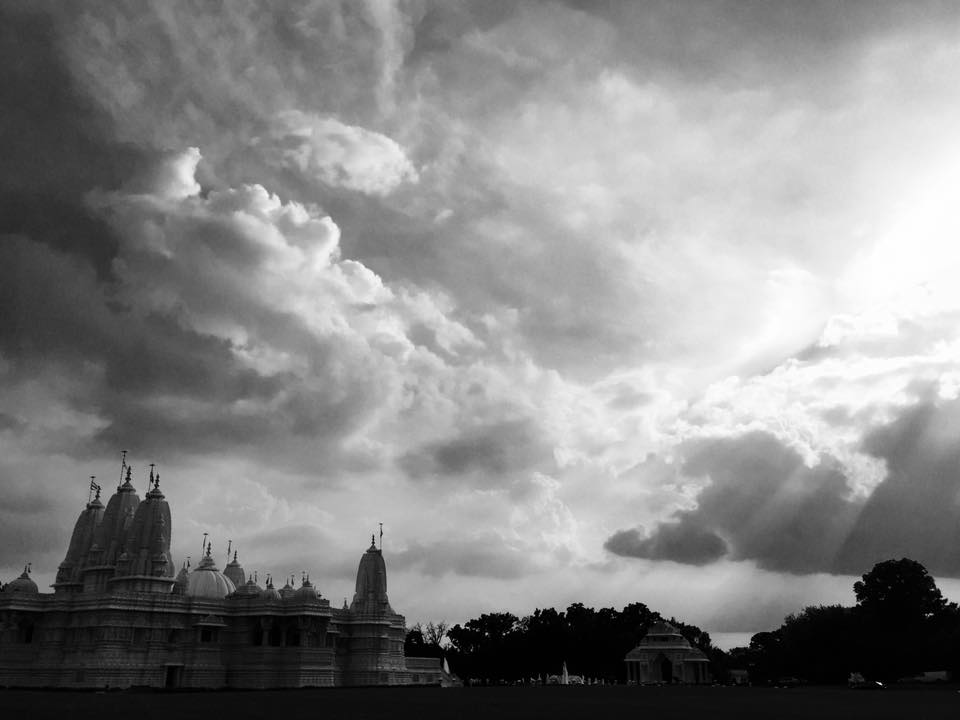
{"x":666,"y":656}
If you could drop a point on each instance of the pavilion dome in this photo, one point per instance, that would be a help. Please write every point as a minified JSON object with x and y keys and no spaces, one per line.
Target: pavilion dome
{"x":287,"y":590}
{"x":249,"y":588}
{"x":22,"y":584}
{"x":206,"y":581}
{"x":663,"y":628}
{"x":306,"y":591}
{"x":269,"y":592}
{"x":664,"y":636}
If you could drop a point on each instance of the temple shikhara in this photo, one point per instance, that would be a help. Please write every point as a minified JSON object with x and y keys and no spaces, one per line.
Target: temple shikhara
{"x":120,"y":615}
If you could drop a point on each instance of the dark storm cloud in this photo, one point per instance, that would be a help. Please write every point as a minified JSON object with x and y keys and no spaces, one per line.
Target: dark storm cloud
{"x":762,"y":500}
{"x":158,"y":386}
{"x":493,"y":450}
{"x":56,"y":144}
{"x":56,"y":251}
{"x":773,"y":509}
{"x":57,"y":314}
{"x":680,"y":542}
{"x":57,"y":310}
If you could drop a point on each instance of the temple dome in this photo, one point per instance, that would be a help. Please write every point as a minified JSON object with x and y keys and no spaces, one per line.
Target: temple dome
{"x":22,"y":584}
{"x":287,"y":590}
{"x":206,"y":581}
{"x":306,"y":591}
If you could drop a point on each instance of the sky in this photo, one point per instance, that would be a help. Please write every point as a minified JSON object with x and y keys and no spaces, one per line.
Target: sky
{"x":598,"y":302}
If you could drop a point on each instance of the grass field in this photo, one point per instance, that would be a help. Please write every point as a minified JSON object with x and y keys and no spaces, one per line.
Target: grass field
{"x":503,"y":703}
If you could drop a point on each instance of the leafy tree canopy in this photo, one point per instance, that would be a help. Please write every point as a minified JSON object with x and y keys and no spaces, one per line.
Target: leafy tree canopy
{"x":899,"y":589}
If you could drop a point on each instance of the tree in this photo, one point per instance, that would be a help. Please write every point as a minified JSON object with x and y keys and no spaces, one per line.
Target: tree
{"x":821,"y":644}
{"x":435,"y":633}
{"x":425,"y":641}
{"x":898,"y":605}
{"x":413,"y":644}
{"x":899,"y":590}
{"x":485,"y":647}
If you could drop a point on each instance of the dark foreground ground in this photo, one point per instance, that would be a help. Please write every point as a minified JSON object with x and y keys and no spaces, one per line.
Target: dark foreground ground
{"x":498,"y":703}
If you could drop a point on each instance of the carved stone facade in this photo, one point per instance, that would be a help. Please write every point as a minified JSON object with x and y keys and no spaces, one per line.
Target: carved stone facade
{"x":118,"y":617}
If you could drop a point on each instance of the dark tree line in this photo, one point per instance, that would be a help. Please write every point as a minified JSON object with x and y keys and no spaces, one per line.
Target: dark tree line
{"x":900,"y":626}
{"x":502,"y":647}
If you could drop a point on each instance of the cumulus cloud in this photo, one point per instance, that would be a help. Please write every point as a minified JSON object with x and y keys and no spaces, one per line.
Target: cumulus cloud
{"x":170,"y":176}
{"x":229,"y":317}
{"x":338,"y":155}
{"x":259,"y":280}
{"x":552,"y":240}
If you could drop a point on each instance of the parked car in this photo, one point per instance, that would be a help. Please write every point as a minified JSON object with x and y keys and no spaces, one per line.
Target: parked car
{"x":788,"y":681}
{"x":857,"y":681}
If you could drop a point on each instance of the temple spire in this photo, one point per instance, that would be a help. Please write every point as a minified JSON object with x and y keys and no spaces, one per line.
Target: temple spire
{"x":123,"y":466}
{"x":94,"y":493}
